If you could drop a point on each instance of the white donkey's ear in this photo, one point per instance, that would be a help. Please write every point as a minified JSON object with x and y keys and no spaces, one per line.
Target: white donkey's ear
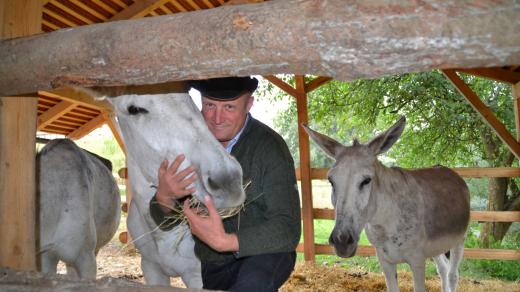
{"x":382,"y":142}
{"x":330,"y":146}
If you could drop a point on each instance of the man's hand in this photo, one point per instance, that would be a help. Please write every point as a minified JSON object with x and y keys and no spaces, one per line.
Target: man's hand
{"x":210,"y":229}
{"x":173,"y":184}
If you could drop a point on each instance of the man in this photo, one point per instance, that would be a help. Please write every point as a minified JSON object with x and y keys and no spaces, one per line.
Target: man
{"x":255,"y":250}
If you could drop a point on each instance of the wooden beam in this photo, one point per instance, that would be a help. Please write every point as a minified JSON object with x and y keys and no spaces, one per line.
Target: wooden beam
{"x":89,"y":127}
{"x":466,"y":172}
{"x":137,"y":10}
{"x":496,"y":74}
{"x":344,"y":43}
{"x":305,"y":170}
{"x":492,"y":254}
{"x":282,"y":85}
{"x":495,"y":216}
{"x":317,"y":82}
{"x":476,"y":172}
{"x":54,"y":113}
{"x":516,"y":103}
{"x":480,"y":216}
{"x":487,"y":115}
{"x":469,"y":253}
{"x":18,"y":202}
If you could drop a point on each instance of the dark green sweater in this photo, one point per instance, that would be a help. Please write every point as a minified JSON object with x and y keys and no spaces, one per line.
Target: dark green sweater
{"x":270,"y":221}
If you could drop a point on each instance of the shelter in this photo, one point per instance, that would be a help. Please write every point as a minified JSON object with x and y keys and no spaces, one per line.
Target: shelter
{"x":311,"y":39}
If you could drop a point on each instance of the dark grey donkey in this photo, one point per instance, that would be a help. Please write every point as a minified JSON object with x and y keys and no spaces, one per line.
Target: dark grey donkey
{"x":408,"y":215}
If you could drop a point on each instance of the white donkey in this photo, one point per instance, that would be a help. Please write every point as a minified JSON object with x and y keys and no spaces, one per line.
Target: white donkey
{"x":408,"y":215}
{"x":162,"y":126}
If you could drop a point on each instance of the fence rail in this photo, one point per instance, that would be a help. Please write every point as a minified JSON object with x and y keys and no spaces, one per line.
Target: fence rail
{"x":471,"y":253}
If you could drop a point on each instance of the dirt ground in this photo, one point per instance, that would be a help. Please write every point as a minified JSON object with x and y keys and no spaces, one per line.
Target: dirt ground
{"x":116,"y":260}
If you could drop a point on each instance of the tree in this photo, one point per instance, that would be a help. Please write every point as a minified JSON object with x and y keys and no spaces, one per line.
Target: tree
{"x":442,"y":128}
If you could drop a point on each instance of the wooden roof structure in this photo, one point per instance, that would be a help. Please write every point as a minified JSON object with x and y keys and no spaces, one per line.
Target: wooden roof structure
{"x":73,"y":114}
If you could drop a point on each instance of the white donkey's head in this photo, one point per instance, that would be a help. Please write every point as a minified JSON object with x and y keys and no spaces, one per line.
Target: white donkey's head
{"x":162,"y":126}
{"x":353,"y":179}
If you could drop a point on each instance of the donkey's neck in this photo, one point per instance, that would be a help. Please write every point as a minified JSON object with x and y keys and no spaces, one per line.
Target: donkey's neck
{"x":390,"y":184}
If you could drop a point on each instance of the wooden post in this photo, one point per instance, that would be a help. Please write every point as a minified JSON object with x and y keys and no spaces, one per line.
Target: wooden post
{"x":17,"y":150}
{"x":305,"y":171}
{"x":516,"y":102}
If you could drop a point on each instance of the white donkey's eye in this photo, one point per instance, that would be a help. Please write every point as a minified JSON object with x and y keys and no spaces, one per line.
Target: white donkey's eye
{"x":135,"y":110}
{"x":365,"y":182}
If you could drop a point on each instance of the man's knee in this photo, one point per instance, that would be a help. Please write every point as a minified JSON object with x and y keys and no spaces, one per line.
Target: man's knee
{"x":265,"y":272}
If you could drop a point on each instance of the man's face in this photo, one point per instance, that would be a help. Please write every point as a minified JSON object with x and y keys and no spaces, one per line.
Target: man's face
{"x":226,"y":118}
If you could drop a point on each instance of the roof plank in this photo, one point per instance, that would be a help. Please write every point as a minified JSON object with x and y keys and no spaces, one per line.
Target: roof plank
{"x":54,"y":113}
{"x":88,"y":127}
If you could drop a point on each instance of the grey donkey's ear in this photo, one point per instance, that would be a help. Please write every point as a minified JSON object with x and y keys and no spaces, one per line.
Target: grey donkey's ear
{"x":385,"y":140}
{"x":330,"y":146}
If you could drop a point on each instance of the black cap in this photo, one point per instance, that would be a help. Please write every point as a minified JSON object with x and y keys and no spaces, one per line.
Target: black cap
{"x":226,"y":88}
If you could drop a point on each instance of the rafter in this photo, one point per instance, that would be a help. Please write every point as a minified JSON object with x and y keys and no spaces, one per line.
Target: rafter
{"x":59,"y":17}
{"x":54,"y":113}
{"x":105,"y":6}
{"x":282,"y":85}
{"x":89,"y":126}
{"x":496,"y":74}
{"x":71,"y":12}
{"x":138,"y":9}
{"x":90,"y":10}
{"x":315,"y":83}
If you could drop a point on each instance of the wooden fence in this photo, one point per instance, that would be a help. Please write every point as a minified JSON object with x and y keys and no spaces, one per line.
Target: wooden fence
{"x":480,"y":216}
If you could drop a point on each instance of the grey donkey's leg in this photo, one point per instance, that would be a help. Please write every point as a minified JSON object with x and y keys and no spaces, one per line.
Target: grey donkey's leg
{"x":418,"y":272}
{"x":49,"y":263}
{"x":85,"y":265}
{"x":456,"y":255}
{"x":390,"y":271}
{"x":442,"y":263}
